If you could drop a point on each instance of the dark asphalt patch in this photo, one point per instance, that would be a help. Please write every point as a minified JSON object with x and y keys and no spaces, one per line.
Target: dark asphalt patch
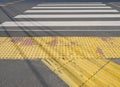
{"x":27,"y":73}
{"x":59,"y":33}
{"x":115,"y":60}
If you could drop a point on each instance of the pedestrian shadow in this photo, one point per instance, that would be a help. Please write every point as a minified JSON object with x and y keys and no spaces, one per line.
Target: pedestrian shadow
{"x":36,"y":73}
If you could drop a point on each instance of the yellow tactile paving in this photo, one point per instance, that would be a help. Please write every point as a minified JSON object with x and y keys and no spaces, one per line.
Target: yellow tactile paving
{"x":8,"y":48}
{"x":109,"y":76}
{"x":61,"y":47}
{"x":79,"y":61}
{"x":87,"y":72}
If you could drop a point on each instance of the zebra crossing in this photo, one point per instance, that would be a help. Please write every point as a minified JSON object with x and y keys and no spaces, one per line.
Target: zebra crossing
{"x":68,"y":57}
{"x":66,"y":17}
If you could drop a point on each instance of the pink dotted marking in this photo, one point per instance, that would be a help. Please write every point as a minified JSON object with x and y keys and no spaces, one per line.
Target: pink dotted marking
{"x":73,"y":43}
{"x":17,"y":39}
{"x":28,"y":42}
{"x":53,"y":42}
{"x":100,"y":51}
{"x":107,"y":39}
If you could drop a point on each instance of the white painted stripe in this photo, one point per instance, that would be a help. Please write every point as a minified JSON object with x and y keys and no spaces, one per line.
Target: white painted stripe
{"x":59,"y":30}
{"x":62,"y":4}
{"x":71,"y":16}
{"x":59,"y":11}
{"x":60,"y":23}
{"x":67,"y":7}
{"x":72,"y":3}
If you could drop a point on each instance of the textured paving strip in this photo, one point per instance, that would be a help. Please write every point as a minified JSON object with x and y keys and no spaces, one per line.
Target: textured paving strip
{"x":86,"y":72}
{"x":59,"y":47}
{"x":79,"y":61}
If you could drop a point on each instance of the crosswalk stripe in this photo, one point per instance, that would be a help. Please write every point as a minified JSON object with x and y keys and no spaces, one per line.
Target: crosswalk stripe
{"x":71,"y":16}
{"x":61,"y":23}
{"x":73,"y":3}
{"x":68,"y":7}
{"x":59,"y":11}
{"x":70,"y":4}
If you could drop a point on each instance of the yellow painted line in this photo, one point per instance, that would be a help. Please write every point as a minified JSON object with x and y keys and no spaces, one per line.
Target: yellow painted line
{"x":62,"y":47}
{"x":2,"y":5}
{"x":11,"y":3}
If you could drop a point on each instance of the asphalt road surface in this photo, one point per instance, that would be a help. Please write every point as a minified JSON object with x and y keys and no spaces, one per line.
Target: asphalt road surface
{"x":23,"y":12}
{"x":97,"y":18}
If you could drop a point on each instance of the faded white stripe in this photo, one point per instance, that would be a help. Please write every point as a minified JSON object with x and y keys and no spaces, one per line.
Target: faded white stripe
{"x":62,"y":4}
{"x":59,"y":11}
{"x":71,"y":16}
{"x":60,"y":23}
{"x":67,"y":7}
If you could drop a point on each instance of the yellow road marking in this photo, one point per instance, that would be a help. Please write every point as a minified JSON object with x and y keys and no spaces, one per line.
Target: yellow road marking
{"x":2,"y":5}
{"x":10,"y":3}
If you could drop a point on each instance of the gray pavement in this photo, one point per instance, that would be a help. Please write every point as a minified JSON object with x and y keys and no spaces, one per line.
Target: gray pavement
{"x":27,"y":73}
{"x":115,"y":60}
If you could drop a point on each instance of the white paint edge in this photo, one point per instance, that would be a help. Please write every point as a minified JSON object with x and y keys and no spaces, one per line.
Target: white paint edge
{"x":67,"y":11}
{"x":60,"y":23}
{"x":70,"y":16}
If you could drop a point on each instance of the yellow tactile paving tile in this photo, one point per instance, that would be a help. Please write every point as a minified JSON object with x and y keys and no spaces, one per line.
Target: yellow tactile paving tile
{"x":2,"y":40}
{"x":108,"y":76}
{"x":8,"y":49}
{"x":79,"y":61}
{"x":86,"y":72}
{"x":60,"y":47}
